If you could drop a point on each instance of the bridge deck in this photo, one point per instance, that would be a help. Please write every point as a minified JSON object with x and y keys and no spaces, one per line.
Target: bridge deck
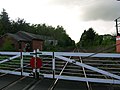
{"x":13,"y":82}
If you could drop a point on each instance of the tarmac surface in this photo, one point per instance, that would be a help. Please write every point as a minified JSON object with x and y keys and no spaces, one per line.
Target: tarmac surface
{"x":14,"y":82}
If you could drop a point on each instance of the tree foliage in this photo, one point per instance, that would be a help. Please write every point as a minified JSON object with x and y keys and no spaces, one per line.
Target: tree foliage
{"x":5,"y":25}
{"x":87,"y":38}
{"x":58,"y":33}
{"x":90,"y":40}
{"x":7,"y":46}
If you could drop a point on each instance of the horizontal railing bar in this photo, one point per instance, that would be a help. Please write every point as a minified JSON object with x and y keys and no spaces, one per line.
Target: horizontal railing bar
{"x":74,"y":78}
{"x":97,"y":80}
{"x":101,"y":64}
{"x":109,"y":55}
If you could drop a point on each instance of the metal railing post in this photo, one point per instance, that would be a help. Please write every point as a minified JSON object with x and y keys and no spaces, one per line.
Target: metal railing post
{"x":53,"y":64}
{"x":21,"y":62}
{"x":35,"y":63}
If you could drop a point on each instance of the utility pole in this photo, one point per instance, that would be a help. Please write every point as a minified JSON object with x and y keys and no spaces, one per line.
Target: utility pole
{"x":117,"y":21}
{"x":117,"y":24}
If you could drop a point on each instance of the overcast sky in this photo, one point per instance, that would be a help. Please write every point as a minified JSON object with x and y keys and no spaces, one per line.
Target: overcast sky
{"x":74,"y":15}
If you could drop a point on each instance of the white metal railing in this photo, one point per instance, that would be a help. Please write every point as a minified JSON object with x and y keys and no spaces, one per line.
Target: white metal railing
{"x":61,"y":55}
{"x":5,"y":60}
{"x":104,"y":55}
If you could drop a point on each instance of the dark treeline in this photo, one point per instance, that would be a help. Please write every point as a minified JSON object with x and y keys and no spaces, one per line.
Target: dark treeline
{"x":93,"y":42}
{"x":58,"y":33}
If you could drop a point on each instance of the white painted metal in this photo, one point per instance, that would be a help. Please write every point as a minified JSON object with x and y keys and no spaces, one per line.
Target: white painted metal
{"x":88,"y":67}
{"x":67,"y":77}
{"x":53,"y":62}
{"x":14,"y":72}
{"x":10,"y":58}
{"x":61,"y":55}
{"x":9,"y":53}
{"x":53,"y":65}
{"x":21,"y":63}
{"x":113,"y":55}
{"x":109,"y":55}
{"x":97,"y":80}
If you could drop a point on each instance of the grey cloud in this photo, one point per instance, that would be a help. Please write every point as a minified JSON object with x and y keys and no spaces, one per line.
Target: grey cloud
{"x":72,"y":2}
{"x":107,"y":10}
{"x":94,"y":9}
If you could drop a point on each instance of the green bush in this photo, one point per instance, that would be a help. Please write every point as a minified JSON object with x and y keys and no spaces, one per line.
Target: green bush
{"x":7,"y":46}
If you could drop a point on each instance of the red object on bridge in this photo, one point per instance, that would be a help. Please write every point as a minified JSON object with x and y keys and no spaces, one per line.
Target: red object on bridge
{"x":38,"y":62}
{"x":118,"y":44}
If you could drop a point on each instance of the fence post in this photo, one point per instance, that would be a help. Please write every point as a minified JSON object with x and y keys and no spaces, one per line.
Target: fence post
{"x":21,"y":62}
{"x":35,"y":64}
{"x":53,"y":64}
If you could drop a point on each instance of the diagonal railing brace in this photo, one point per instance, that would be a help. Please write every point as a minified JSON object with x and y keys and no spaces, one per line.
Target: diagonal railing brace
{"x":88,"y":67}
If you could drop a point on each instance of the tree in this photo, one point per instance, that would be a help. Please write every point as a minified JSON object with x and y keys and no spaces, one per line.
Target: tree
{"x":8,"y":45}
{"x":91,"y":41}
{"x":20,"y":25}
{"x":98,"y":40}
{"x":4,"y":22}
{"x":108,"y":40}
{"x":87,"y":38}
{"x":58,"y":33}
